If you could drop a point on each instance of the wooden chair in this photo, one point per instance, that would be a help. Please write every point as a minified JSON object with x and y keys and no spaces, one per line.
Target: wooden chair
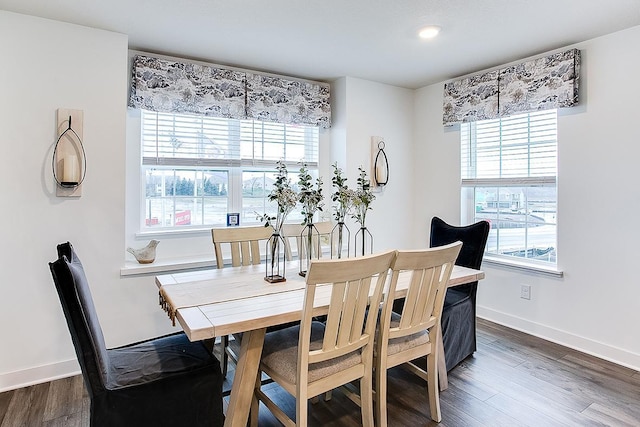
{"x":245,"y":244}
{"x":243,"y":241}
{"x":314,"y":357}
{"x":413,"y":333}
{"x":291,"y":233}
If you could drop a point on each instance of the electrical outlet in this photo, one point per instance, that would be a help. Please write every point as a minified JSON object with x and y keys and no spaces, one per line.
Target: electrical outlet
{"x":525,"y":291}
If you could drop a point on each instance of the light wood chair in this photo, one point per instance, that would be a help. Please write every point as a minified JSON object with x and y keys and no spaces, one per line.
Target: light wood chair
{"x":245,"y":244}
{"x":403,"y":337}
{"x":291,"y":234}
{"x":314,"y":357}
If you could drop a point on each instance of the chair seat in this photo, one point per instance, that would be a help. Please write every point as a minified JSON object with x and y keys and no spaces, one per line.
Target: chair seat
{"x":454,"y":297}
{"x":155,"y":359}
{"x":397,"y":345}
{"x":280,"y":354}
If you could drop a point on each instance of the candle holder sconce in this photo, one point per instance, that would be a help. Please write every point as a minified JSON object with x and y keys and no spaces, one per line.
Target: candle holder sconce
{"x":69,"y":163}
{"x":379,"y":163}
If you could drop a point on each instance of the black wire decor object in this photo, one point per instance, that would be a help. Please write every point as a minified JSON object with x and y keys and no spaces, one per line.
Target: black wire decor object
{"x":380,"y":163}
{"x":62,"y":183}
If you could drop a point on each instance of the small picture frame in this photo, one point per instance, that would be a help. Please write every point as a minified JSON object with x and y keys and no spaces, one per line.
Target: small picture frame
{"x":233,"y":219}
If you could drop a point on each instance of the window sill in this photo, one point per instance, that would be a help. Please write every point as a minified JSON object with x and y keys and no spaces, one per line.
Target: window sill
{"x":132,"y":268}
{"x":522,"y":266}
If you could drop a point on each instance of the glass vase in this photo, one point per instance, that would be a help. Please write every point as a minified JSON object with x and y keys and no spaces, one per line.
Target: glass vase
{"x":275,"y":260}
{"x":362,"y":241}
{"x":310,"y":245}
{"x":339,"y":235}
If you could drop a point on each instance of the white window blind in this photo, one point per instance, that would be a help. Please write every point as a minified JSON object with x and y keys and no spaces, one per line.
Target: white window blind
{"x":188,"y":140}
{"x":516,"y":150}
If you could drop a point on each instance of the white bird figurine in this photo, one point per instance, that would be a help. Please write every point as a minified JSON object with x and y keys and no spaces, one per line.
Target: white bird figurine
{"x":147,"y":254}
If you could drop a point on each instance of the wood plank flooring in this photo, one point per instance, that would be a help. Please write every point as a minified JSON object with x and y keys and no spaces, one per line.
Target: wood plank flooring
{"x":513,"y":379}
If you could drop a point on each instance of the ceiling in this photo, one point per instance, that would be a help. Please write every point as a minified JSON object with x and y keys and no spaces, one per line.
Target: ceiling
{"x":326,"y":39}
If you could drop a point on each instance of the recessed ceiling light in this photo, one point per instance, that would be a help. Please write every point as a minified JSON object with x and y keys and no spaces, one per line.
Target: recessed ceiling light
{"x":429,"y":32}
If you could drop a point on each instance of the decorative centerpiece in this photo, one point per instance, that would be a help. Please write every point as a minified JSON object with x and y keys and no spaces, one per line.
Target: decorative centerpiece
{"x":311,"y":200}
{"x":286,"y":198}
{"x":343,"y":196}
{"x":362,"y":203}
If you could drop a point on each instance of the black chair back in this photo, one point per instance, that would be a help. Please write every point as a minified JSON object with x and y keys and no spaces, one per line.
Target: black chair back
{"x":82,"y":320}
{"x":473,"y":238}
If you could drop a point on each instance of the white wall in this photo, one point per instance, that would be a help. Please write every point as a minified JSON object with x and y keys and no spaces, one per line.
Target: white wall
{"x":48,"y":65}
{"x":595,"y":306}
{"x":363,"y":109}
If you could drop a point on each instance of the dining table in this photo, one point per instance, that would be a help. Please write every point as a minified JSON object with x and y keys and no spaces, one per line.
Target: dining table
{"x":220,"y":302}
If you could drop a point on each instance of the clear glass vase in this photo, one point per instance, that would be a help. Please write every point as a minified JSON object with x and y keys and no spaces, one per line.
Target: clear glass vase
{"x":275,"y":260}
{"x":363,"y":242}
{"x":309,"y":247}
{"x":339,"y":235}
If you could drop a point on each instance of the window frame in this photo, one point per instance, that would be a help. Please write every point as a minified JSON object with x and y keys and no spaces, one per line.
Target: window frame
{"x":470,"y":184}
{"x":235,"y":177}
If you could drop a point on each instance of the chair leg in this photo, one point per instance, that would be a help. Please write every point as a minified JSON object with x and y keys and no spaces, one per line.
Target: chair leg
{"x":381,"y":396}
{"x":366,"y":399}
{"x":225,"y":356}
{"x":302,"y":409}
{"x":432,"y":387}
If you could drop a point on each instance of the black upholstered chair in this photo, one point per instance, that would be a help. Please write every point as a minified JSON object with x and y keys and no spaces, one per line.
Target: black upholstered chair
{"x":165,"y":381}
{"x":459,"y":311}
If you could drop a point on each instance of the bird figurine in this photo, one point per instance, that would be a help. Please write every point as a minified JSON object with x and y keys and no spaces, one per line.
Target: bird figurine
{"x":147,"y":254}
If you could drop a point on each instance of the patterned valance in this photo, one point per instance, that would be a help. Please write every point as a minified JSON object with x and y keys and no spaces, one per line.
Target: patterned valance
{"x":471,"y":99}
{"x":539,"y":84}
{"x":173,"y":86}
{"x":176,"y":87}
{"x":288,"y":101}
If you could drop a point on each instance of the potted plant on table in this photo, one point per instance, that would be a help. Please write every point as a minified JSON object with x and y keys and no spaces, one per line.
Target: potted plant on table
{"x":286,"y":199}
{"x":362,"y":200}
{"x":310,"y":197}
{"x":343,"y":196}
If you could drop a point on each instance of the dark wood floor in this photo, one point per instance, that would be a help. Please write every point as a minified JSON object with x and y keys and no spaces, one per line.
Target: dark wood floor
{"x":513,"y":379}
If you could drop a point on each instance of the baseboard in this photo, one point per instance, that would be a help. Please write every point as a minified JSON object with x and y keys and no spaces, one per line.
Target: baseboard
{"x":604,"y":351}
{"x":39,"y":374}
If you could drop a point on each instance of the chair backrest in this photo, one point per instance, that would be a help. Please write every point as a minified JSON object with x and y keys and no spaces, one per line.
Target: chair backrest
{"x":473,"y":238}
{"x":349,"y":326}
{"x":77,"y":304}
{"x":292,"y":233}
{"x":243,"y":241}
{"x":428,"y":273}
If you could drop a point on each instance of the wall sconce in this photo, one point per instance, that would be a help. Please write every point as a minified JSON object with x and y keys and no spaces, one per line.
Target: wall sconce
{"x":380,"y":163}
{"x":69,"y":163}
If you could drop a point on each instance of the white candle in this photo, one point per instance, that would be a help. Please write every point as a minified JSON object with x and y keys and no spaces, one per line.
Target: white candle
{"x":70,"y":168}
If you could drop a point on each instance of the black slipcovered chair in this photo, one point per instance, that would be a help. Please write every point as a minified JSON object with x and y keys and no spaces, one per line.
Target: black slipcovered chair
{"x":165,"y":381}
{"x":459,"y":310}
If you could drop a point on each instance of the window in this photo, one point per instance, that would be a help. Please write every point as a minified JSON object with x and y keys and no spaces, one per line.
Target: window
{"x":197,"y":169}
{"x":509,"y":169}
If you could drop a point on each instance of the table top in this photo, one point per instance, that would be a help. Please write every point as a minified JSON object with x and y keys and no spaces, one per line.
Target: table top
{"x":218,"y":302}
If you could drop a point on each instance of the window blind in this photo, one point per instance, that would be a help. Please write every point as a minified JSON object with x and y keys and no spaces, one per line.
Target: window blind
{"x":187,"y":140}
{"x":513,"y":151}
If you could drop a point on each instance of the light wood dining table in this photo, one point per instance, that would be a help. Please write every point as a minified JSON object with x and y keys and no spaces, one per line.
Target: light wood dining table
{"x":218,"y":302}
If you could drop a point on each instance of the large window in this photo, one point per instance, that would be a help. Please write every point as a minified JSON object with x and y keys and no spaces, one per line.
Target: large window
{"x":509,"y":169}
{"x":197,"y":169}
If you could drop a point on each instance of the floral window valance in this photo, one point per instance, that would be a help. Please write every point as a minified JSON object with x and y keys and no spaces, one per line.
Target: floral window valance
{"x":173,"y":86}
{"x":539,"y":84}
{"x":288,"y":101}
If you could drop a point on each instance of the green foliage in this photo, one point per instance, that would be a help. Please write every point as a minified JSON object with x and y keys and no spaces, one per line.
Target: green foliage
{"x":342,"y":194}
{"x":283,"y":195}
{"x":363,"y":198}
{"x":309,"y":197}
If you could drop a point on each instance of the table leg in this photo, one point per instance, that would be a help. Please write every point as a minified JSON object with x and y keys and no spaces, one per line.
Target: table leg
{"x":442,"y":364}
{"x":244,"y":379}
